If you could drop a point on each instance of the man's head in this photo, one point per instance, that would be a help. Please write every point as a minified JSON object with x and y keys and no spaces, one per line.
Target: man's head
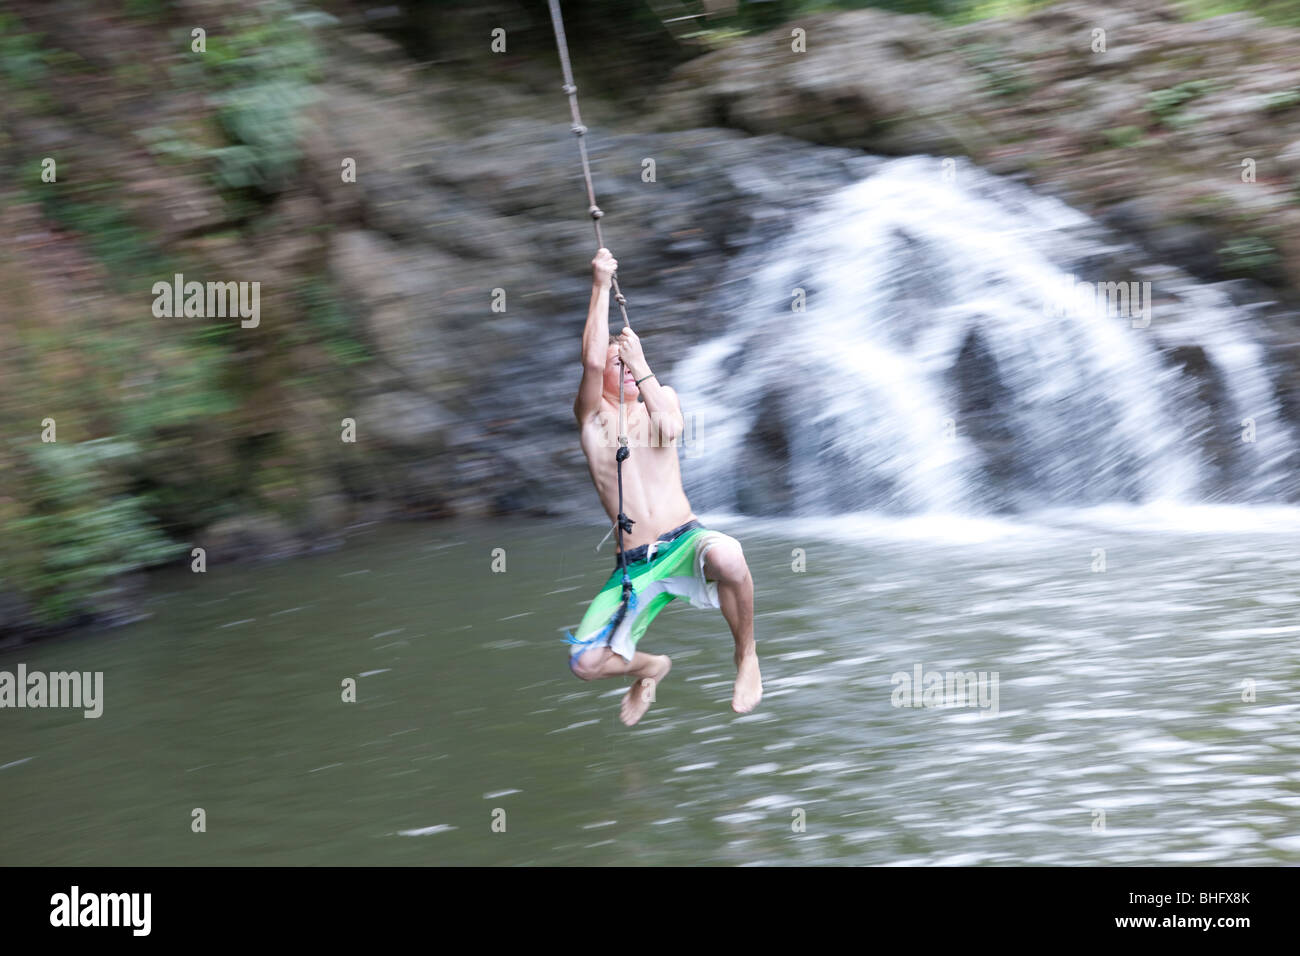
{"x":612,"y":369}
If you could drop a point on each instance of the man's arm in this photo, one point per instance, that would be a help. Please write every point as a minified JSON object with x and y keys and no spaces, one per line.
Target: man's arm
{"x":660,"y":401}
{"x":595,"y":338}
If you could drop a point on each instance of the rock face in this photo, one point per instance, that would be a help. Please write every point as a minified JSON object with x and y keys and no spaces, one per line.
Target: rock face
{"x":982,"y":398}
{"x":248,"y":538}
{"x":1182,"y":135}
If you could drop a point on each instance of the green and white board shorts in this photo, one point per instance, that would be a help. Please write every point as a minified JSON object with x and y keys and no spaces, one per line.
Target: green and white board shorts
{"x":672,"y":567}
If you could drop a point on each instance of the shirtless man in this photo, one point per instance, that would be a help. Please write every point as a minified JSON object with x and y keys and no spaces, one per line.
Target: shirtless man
{"x":669,"y":554}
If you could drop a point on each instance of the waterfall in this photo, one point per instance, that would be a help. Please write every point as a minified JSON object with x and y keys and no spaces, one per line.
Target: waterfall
{"x":955,"y":353}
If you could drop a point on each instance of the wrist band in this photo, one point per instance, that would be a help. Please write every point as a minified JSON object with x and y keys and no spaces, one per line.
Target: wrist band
{"x":643,"y":378}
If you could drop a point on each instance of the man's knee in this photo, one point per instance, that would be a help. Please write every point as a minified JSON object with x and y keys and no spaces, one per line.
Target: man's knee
{"x":725,"y":563}
{"x":587,"y":665}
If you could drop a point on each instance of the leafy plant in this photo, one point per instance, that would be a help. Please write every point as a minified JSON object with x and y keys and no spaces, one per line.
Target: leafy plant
{"x":123,"y":248}
{"x":77,"y":530}
{"x":1282,"y":100}
{"x":22,"y":61}
{"x":322,"y":304}
{"x":1252,"y":256}
{"x":1122,"y":137}
{"x":264,"y":79}
{"x":1167,"y":104}
{"x":1000,"y":75}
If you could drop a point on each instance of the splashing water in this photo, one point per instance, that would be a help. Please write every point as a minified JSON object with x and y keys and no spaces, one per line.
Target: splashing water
{"x":944,"y":362}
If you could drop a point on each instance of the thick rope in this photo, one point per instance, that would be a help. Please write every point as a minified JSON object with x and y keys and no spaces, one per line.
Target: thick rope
{"x":581,"y":131}
{"x":623,"y":523}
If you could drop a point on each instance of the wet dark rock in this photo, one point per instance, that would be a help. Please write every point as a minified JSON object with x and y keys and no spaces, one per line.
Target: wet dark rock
{"x":983,"y":405}
{"x":1212,"y":423}
{"x":764,"y":485}
{"x":253,"y":537}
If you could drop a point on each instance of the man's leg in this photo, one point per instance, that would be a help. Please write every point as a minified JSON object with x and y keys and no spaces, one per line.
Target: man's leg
{"x":724,"y":563}
{"x":648,"y":669}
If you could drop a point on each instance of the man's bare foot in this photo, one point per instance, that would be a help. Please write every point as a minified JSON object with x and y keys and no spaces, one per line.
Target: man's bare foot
{"x":749,"y":685}
{"x":641,"y":694}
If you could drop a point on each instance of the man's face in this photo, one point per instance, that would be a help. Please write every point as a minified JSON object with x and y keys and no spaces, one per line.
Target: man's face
{"x":612,"y":370}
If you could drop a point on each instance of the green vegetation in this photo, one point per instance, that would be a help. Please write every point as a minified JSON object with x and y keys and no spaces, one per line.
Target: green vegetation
{"x":89,"y":211}
{"x":753,"y":17}
{"x":1280,"y":12}
{"x":152,"y":10}
{"x":22,"y":60}
{"x":180,"y":423}
{"x":323,"y":306}
{"x":24,"y":68}
{"x":1167,"y":105}
{"x":1001,"y":75}
{"x":80,"y":529}
{"x":262,"y":77}
{"x":1283,"y":100}
{"x":1251,"y":257}
{"x":775,"y":12}
{"x":1122,"y":137}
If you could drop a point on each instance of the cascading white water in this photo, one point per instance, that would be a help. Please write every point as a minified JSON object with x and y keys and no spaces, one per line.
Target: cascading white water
{"x":938,"y":367}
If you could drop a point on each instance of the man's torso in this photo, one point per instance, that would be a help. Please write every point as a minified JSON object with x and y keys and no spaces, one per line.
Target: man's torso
{"x":653,"y":496}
